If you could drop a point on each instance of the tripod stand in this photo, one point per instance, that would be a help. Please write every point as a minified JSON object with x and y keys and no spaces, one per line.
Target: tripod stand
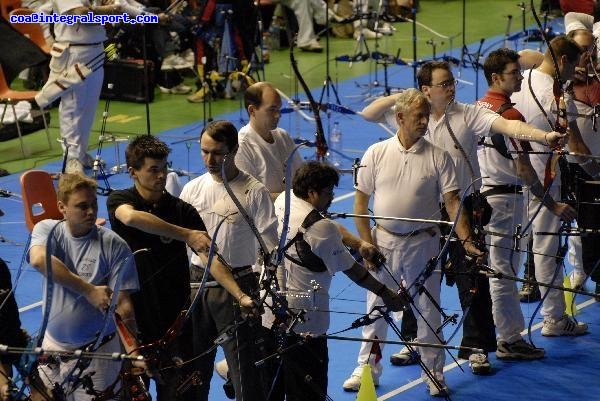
{"x":328,"y":83}
{"x":473,"y":59}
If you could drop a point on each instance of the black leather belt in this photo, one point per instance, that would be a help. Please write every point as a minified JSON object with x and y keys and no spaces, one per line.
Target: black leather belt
{"x":502,"y":189}
{"x":85,"y":44}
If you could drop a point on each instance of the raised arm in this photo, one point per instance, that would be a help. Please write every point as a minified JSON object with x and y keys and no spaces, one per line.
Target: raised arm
{"x":375,"y":111}
{"x":526,"y":132}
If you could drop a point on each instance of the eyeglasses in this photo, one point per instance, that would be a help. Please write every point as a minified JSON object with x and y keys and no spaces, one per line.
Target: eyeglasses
{"x":514,"y":73}
{"x":446,"y":84}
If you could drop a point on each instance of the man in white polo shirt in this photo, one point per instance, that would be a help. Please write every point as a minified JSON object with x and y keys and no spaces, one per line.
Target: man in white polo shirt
{"x":503,"y":173}
{"x":407,"y":164}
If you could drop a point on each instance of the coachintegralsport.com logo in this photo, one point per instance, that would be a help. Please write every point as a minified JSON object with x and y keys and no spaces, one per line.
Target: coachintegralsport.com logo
{"x":89,"y":18}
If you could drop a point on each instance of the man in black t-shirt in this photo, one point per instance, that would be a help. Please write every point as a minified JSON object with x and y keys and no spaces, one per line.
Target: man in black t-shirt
{"x":12,"y":335}
{"x":147,"y":216}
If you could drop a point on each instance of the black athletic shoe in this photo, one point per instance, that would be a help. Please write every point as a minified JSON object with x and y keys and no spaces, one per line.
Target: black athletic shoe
{"x":518,"y":351}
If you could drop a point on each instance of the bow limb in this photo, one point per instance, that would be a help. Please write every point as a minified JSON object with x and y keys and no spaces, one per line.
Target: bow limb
{"x":263,"y":246}
{"x":547,"y":41}
{"x":175,"y":330}
{"x":419,"y":281}
{"x":28,"y":362}
{"x":81,"y":364}
{"x":314,"y":106}
{"x":286,"y":214}
{"x":177,"y":326}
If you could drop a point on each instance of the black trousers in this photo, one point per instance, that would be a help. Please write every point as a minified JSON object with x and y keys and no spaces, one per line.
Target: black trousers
{"x":479,"y":330}
{"x":305,"y":369}
{"x":590,"y":251}
{"x":243,"y":345}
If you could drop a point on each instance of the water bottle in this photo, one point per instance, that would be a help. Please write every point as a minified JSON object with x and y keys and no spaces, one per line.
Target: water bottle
{"x":335,"y":145}
{"x":274,"y":35}
{"x":265,"y":48}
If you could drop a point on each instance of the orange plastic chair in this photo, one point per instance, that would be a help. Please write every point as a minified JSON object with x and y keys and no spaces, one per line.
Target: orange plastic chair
{"x":10,"y":97}
{"x":39,"y":198}
{"x":33,"y":31}
{"x":6,"y":6}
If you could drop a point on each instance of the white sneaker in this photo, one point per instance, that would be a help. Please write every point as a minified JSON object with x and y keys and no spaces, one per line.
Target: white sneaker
{"x":564,"y":326}
{"x":176,"y":62}
{"x":479,"y":364}
{"x":577,"y":279}
{"x":353,"y":382}
{"x":386,"y":29}
{"x":434,"y":391}
{"x":404,"y":357}
{"x":74,"y":166}
{"x":312,"y":46}
{"x":222,"y":369}
{"x":180,"y":89}
{"x":367,"y":34}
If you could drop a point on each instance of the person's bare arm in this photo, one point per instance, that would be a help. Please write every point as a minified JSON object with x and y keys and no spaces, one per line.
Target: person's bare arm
{"x":526,"y":172}
{"x":361,"y":206}
{"x":375,"y":111}
{"x":523,"y":131}
{"x":97,"y":295}
{"x":367,"y":250}
{"x":462,"y":229}
{"x":363,"y":278}
{"x":223,"y":275}
{"x":151,"y":224}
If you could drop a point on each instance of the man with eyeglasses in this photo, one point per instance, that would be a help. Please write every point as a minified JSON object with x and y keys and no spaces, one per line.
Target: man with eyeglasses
{"x":468,"y":121}
{"x":540,"y":99}
{"x":316,"y":253}
{"x":456,"y":127}
{"x":503,"y":175}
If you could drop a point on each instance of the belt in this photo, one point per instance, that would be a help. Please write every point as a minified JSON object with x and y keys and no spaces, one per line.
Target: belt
{"x":236,"y":272}
{"x":502,"y":189}
{"x":429,"y":230}
{"x":85,"y":44}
